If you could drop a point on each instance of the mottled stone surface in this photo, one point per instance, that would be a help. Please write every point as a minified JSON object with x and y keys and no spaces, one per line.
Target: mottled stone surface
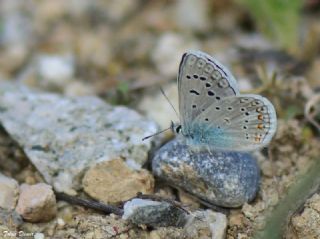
{"x":113,"y":181}
{"x":9,"y":192}
{"x":10,"y":220}
{"x":154,"y":213}
{"x":63,"y":136}
{"x":37,"y":203}
{"x":227,"y":179}
{"x":307,"y":224}
{"x":206,"y":224}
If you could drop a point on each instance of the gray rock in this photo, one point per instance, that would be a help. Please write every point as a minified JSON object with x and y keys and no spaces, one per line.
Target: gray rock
{"x":227,"y":179}
{"x":154,"y":213}
{"x":10,"y":219}
{"x":64,"y":136}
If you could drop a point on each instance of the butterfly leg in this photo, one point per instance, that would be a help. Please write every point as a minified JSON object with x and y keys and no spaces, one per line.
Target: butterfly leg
{"x":209,"y":150}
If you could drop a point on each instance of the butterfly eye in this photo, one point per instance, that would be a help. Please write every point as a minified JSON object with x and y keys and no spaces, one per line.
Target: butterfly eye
{"x":178,"y":129}
{"x":216,"y":75}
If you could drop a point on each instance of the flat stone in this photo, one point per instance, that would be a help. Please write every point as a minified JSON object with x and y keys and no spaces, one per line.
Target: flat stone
{"x":64,"y":136}
{"x":37,"y":203}
{"x":227,"y":179}
{"x":9,"y":192}
{"x":113,"y":181}
{"x":154,"y":213}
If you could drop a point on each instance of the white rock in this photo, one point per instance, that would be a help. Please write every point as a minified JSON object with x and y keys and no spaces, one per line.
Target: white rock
{"x":192,"y":15}
{"x":131,"y":206}
{"x":64,"y":136}
{"x":61,"y":222}
{"x":159,"y":109}
{"x":207,"y":222}
{"x":39,"y":235}
{"x":9,"y":192}
{"x":56,"y":70}
{"x":168,"y":52}
{"x":218,"y":224}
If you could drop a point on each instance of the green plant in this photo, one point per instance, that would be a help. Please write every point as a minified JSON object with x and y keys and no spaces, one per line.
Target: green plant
{"x":277,"y":19}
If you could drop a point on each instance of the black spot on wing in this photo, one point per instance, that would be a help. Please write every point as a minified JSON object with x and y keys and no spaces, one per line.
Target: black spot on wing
{"x":194,"y":92}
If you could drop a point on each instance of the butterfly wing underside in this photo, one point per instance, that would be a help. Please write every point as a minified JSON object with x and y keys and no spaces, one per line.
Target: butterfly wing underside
{"x":202,"y":81}
{"x":242,"y":123}
{"x":212,"y":111}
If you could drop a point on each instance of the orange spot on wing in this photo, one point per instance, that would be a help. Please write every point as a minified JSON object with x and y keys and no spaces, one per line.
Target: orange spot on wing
{"x":260,"y":126}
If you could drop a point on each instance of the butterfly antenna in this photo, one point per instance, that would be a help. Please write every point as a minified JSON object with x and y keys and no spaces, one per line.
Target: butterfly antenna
{"x":156,"y":133}
{"x":164,"y":94}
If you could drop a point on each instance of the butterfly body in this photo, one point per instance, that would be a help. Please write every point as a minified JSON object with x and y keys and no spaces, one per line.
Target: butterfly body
{"x":214,"y":114}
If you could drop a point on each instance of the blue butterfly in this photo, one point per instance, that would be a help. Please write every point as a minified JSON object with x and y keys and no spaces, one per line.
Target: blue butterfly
{"x":213,"y":114}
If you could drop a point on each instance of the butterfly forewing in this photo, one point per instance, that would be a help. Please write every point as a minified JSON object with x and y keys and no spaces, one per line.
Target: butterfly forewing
{"x":202,"y":81}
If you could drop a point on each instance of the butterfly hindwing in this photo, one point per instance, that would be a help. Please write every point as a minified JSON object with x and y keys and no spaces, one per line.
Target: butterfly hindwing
{"x":202,"y":81}
{"x":245,"y":122}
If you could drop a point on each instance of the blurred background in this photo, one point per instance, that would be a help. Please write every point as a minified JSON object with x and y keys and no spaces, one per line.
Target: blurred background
{"x":121,"y":49}
{"x":125,"y":50}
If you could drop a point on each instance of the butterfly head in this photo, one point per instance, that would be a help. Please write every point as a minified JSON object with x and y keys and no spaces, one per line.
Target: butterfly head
{"x":176,"y":128}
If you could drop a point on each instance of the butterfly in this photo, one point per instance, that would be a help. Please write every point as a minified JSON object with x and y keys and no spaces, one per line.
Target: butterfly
{"x":213,"y":113}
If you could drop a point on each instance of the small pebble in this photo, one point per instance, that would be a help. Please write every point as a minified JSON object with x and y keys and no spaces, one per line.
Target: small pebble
{"x":227,"y":179}
{"x":38,"y":235}
{"x":9,"y":192}
{"x":154,"y":213}
{"x":56,"y":70}
{"x":168,"y":51}
{"x":37,"y":203}
{"x":61,"y":222}
{"x":206,"y":224}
